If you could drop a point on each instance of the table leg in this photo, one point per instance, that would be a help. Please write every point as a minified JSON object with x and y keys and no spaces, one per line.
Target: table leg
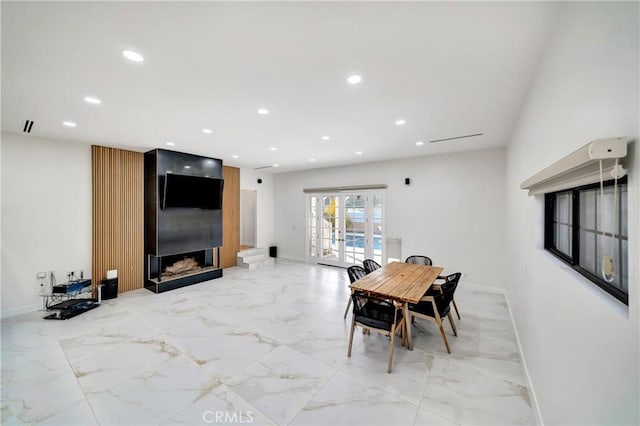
{"x":407,"y":324}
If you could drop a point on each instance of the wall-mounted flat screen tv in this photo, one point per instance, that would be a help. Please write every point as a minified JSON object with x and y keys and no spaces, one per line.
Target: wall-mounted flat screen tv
{"x":192,"y":192}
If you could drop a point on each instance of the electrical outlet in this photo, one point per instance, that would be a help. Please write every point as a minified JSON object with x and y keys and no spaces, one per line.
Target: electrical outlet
{"x":41,"y":275}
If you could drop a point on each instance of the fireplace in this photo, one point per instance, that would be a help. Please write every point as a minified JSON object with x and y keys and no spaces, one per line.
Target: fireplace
{"x":177,"y":270}
{"x":179,"y":265}
{"x":182,"y":240}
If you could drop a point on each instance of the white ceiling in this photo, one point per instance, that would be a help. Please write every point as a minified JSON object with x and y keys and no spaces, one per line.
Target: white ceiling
{"x":448,"y":69}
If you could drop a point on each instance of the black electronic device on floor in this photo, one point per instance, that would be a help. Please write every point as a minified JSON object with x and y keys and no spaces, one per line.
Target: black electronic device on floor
{"x":70,"y":308}
{"x":109,"y":288}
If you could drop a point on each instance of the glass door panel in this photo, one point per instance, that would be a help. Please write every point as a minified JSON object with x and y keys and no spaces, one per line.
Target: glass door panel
{"x":376,"y":216}
{"x":344,"y":229}
{"x":313,"y":220}
{"x":331,"y":230}
{"x":355,"y":228}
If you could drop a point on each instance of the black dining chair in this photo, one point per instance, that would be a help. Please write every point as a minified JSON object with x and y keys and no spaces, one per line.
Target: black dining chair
{"x":434,"y":307}
{"x":355,"y":272}
{"x":370,"y":265}
{"x":381,"y":316}
{"x":419,"y":260}
{"x":447,"y":278}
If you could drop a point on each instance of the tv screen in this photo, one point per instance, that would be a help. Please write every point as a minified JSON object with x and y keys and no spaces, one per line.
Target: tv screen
{"x":192,"y":192}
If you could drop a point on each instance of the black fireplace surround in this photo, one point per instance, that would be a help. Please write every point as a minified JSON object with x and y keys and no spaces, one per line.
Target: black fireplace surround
{"x":175,"y":233}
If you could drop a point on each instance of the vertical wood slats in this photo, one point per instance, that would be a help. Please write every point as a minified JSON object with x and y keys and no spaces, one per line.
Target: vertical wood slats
{"x":118,"y":216}
{"x":230,"y":217}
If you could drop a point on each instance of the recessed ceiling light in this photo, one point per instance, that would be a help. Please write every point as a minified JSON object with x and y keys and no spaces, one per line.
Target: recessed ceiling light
{"x":92,"y":100}
{"x":312,"y":159}
{"x":132,"y":56}
{"x":207,"y":131}
{"x":273,"y":148}
{"x":326,"y":138}
{"x":69,"y":124}
{"x":235,"y":156}
{"x":276,"y":165}
{"x":419,"y":143}
{"x":400,"y":122}
{"x":170,"y":143}
{"x":354,"y":79}
{"x":358,"y":152}
{"x":263,"y":111}
{"x":187,"y":167}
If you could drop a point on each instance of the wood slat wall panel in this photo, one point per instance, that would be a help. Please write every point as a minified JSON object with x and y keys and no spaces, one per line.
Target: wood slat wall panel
{"x":118,"y":216}
{"x":230,"y":217}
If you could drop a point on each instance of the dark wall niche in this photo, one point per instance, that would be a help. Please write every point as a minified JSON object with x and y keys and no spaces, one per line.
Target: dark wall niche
{"x":177,"y":237}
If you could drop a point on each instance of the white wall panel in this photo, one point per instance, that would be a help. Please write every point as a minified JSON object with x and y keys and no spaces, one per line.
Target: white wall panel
{"x":580,"y":344}
{"x":46,"y":216}
{"x":453,"y":210}
{"x":264,"y":203}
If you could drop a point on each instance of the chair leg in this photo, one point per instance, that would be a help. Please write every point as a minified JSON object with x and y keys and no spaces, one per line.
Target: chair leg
{"x":444,"y":336}
{"x":391,"y":345}
{"x":405,"y":315}
{"x":353,"y":326}
{"x":453,"y":325}
{"x":346,"y":311}
{"x":403,"y":333}
{"x":456,"y":308}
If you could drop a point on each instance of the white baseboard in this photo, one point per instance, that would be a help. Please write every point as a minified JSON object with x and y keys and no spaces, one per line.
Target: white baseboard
{"x":293,"y":258}
{"x":21,"y":310}
{"x":532,"y":392}
{"x":488,"y":288}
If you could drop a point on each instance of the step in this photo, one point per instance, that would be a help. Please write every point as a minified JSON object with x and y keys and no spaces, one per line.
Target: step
{"x":267,"y":261}
{"x":254,"y":258}
{"x":255,"y":262}
{"x":251,"y":252}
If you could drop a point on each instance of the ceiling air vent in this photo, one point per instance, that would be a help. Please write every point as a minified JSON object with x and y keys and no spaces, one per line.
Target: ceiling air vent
{"x":456,"y":137}
{"x":28,"y":125}
{"x":263,"y":167}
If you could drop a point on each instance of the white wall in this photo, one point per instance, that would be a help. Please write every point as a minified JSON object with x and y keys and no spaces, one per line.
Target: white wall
{"x":1,"y":222}
{"x":248,"y":217}
{"x":580,"y":344}
{"x":249,"y":180}
{"x":46,"y":216}
{"x":453,"y":210}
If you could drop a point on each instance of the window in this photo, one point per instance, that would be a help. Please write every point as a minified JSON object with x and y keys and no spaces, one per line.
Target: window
{"x":576,"y":233}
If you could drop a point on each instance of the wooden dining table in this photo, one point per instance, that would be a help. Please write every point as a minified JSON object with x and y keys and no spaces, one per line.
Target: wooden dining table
{"x":402,"y":283}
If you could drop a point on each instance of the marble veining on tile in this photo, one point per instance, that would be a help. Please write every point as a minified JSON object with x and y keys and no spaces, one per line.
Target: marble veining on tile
{"x":265,"y":346}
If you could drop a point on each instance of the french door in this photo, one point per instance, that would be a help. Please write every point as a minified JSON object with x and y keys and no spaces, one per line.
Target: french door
{"x":343,"y":229}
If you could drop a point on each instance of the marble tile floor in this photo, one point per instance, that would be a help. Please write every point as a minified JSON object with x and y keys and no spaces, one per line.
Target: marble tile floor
{"x":264,"y":346}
